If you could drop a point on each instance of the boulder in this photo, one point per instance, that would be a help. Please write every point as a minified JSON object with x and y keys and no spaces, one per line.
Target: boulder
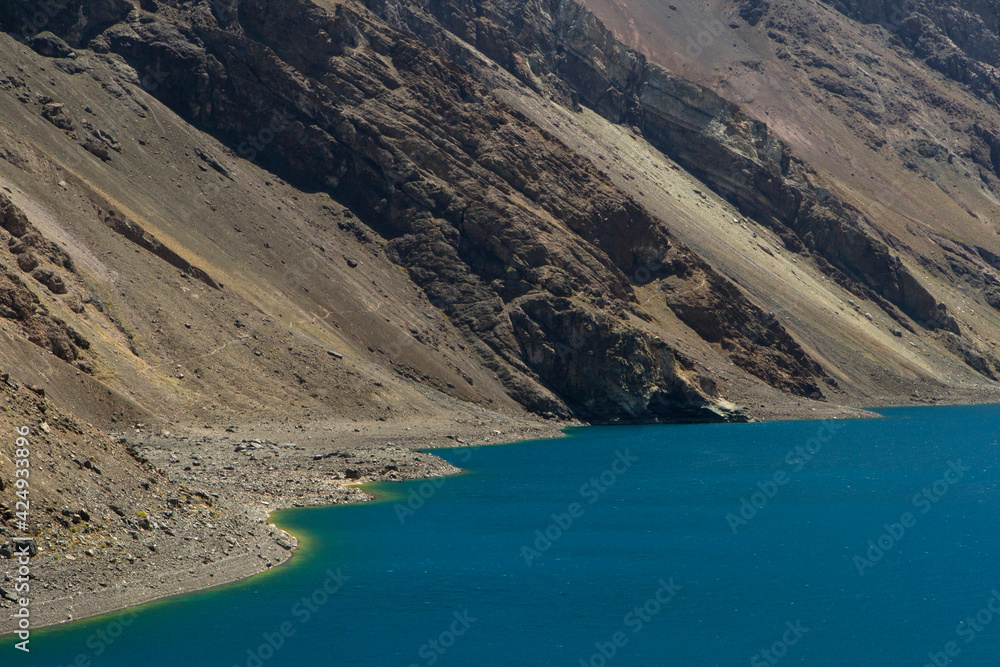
{"x":10,"y":549}
{"x":12,"y":218}
{"x":57,"y":114}
{"x":51,"y":280}
{"x":98,"y":148}
{"x":27,"y":262}
{"x":51,"y":46}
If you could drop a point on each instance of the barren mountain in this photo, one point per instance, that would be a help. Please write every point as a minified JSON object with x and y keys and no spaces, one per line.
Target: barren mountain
{"x":890,"y":104}
{"x":303,"y":227}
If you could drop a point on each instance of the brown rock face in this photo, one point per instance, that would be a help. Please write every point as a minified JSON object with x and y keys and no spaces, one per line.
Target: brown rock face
{"x":735,"y":155}
{"x":483,"y":209}
{"x":600,"y":367}
{"x":518,"y":239}
{"x":17,"y":300}
{"x":74,"y":20}
{"x":957,"y":38}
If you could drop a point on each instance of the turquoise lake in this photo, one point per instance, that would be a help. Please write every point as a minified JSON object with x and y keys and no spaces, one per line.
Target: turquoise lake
{"x":869,"y":542}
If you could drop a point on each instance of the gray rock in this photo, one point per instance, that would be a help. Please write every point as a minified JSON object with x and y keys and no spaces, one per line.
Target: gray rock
{"x":57,"y":114}
{"x":27,"y":262}
{"x":49,"y":45}
{"x":12,"y":548}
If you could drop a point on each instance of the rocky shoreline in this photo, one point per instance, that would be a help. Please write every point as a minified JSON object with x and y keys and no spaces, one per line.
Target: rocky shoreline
{"x":369,"y":228}
{"x":232,"y":479}
{"x":228,"y":481}
{"x":217,"y":529}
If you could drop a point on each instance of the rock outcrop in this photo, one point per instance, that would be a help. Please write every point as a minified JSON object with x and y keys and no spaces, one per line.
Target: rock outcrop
{"x":46,"y":263}
{"x":956,"y":37}
{"x":482,"y":208}
{"x":389,"y":106}
{"x":574,"y":57}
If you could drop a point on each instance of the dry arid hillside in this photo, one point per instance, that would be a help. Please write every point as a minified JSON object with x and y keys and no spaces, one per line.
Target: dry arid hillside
{"x":897,"y":120}
{"x":254,"y":252}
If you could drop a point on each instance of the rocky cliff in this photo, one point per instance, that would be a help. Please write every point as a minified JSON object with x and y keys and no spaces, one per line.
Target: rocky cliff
{"x":480,"y":206}
{"x":734,"y":154}
{"x":524,"y":245}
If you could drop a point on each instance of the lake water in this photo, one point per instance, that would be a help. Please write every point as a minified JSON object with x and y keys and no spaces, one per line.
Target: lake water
{"x":871,"y":542}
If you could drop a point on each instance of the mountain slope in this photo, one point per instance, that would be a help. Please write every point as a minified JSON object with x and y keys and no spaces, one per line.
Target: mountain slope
{"x":318,"y":220}
{"x":479,"y":224}
{"x":781,"y":68}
